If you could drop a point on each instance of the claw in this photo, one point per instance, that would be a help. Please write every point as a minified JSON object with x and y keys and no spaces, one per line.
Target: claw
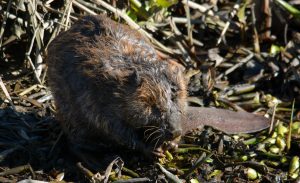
{"x":158,"y":153}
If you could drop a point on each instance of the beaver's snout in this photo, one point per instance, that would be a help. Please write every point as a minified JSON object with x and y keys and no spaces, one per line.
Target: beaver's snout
{"x":173,"y":130}
{"x":173,"y":134}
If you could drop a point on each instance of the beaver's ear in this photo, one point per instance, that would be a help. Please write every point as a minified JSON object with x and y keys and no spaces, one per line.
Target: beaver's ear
{"x":134,"y":78}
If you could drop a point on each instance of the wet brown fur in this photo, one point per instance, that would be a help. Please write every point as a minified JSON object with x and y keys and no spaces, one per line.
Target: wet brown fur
{"x":108,"y":83}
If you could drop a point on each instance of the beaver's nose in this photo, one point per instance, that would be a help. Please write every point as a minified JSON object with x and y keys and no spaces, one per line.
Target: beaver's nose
{"x":173,"y":134}
{"x":176,"y":133}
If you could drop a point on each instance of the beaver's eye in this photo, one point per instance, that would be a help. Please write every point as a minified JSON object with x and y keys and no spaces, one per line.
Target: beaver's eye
{"x":173,"y":96}
{"x":174,"y":90}
{"x":155,"y":111}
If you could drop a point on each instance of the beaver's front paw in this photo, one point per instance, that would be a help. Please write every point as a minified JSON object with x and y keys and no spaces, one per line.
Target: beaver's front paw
{"x":159,"y":152}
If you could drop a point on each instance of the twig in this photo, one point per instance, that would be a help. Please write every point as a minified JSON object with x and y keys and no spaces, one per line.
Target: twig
{"x":184,"y":148}
{"x":84,"y":8}
{"x":255,"y":36}
{"x":189,"y":27}
{"x":24,"y":92}
{"x":239,"y":64}
{"x":239,"y":89}
{"x":31,"y":181}
{"x":32,"y":101}
{"x":289,"y":136}
{"x":4,"y":22}
{"x":198,"y":163}
{"x":168,"y":174}
{"x":232,"y":14}
{"x":27,"y":55}
{"x":173,"y":21}
{"x":68,"y":15}
{"x":17,"y":170}
{"x":133,"y":180}
{"x":5,"y":91}
{"x":130,"y":172}
{"x":90,"y":5}
{"x":184,"y":20}
{"x":25,"y":23}
{"x":39,"y":34}
{"x":230,"y":104}
{"x":85,"y":171}
{"x":273,"y":117}
{"x":185,"y":54}
{"x":62,"y":20}
{"x":14,"y":17}
{"x":45,"y":98}
{"x":119,"y":162}
{"x":58,"y":12}
{"x":194,"y":5}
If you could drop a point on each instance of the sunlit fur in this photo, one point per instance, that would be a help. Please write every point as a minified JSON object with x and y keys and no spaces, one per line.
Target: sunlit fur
{"x":108,"y":82}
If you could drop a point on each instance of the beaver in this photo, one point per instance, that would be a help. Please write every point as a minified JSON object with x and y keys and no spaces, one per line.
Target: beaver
{"x":109,"y":84}
{"x":111,"y":87}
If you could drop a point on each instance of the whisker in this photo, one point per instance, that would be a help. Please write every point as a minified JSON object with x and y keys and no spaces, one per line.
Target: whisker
{"x":149,"y":129}
{"x":157,"y":142}
{"x":149,"y":132}
{"x":161,"y":134}
{"x":150,"y":126}
{"x":156,"y":131}
{"x":150,"y":135}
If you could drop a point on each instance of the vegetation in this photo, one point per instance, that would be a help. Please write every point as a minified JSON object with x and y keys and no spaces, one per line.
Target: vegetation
{"x":240,"y":54}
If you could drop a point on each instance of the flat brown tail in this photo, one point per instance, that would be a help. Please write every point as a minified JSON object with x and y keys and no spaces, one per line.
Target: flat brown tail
{"x":230,"y":122}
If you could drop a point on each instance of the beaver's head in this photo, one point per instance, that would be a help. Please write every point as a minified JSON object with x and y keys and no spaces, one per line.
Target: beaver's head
{"x":158,"y":102}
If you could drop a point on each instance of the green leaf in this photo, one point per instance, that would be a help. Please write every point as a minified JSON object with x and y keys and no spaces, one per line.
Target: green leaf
{"x":132,"y":15}
{"x":274,"y":49}
{"x":194,"y":181}
{"x":291,"y":9}
{"x":241,"y":12}
{"x":166,"y":3}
